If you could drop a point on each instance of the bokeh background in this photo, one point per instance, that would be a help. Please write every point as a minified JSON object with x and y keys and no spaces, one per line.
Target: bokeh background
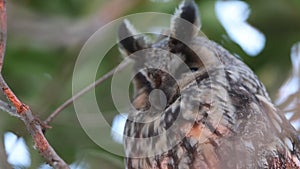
{"x":45,"y":38}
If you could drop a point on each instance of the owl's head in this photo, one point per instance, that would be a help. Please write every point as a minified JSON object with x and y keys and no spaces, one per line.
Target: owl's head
{"x":159,"y":64}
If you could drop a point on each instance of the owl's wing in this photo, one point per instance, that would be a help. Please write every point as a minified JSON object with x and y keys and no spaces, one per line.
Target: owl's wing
{"x":235,"y":128}
{"x":289,"y":155}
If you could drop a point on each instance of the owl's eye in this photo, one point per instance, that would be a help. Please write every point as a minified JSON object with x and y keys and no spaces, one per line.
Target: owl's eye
{"x":194,"y":69}
{"x":150,"y":75}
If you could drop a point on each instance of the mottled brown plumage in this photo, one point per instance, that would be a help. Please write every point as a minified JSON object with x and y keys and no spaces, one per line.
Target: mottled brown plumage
{"x":209,"y":110}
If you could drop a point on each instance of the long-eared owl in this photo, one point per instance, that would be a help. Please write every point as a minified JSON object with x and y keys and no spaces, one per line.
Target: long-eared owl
{"x":196,"y":106}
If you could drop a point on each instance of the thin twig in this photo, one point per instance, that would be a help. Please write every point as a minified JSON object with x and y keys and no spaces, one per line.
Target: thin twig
{"x":3,"y":27}
{"x":85,"y":90}
{"x":8,"y":108}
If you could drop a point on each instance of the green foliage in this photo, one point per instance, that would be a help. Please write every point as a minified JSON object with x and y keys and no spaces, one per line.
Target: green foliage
{"x":67,"y":7}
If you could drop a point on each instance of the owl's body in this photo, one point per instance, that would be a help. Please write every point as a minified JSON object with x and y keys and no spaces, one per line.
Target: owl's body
{"x":214,"y":113}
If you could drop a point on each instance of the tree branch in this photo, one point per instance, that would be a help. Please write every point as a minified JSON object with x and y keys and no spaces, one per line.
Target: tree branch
{"x":34,"y":127}
{"x":85,"y":90}
{"x":32,"y":123}
{"x":58,"y":32}
{"x":3,"y":26}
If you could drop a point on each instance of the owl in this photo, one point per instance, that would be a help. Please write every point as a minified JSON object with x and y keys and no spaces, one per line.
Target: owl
{"x":196,"y":106}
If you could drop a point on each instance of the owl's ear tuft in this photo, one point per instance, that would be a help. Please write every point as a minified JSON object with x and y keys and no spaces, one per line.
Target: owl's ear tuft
{"x":185,"y":23}
{"x":129,"y":41}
